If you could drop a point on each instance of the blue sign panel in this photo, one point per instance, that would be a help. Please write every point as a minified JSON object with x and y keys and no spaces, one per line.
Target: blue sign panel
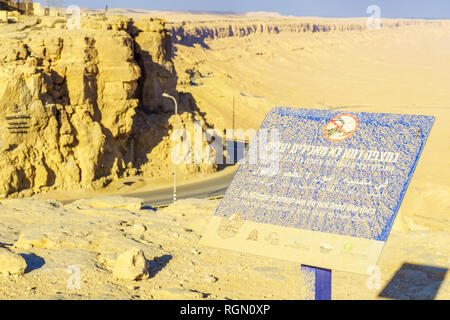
{"x":329,"y":172}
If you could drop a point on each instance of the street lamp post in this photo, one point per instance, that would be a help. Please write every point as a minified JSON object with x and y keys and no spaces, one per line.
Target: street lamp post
{"x":165,"y":95}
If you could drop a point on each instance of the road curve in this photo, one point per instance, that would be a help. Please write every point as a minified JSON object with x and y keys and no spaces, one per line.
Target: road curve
{"x":209,"y":187}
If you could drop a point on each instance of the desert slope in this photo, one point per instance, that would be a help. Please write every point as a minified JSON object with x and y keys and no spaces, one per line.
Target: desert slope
{"x":400,"y":68}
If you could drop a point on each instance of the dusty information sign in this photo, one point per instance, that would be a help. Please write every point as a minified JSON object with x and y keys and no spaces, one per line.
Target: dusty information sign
{"x":320,"y":187}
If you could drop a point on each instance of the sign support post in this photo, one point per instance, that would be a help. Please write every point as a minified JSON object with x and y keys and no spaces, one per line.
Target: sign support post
{"x":316,"y":282}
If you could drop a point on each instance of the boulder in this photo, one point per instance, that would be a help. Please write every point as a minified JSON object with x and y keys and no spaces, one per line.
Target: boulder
{"x":11,"y":263}
{"x":131,"y":265}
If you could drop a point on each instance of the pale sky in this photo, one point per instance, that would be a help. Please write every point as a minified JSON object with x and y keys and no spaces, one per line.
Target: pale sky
{"x":429,"y":9}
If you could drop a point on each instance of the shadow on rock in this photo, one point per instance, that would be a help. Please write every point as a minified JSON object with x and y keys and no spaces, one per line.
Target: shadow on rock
{"x":157,"y":264}
{"x":33,"y":261}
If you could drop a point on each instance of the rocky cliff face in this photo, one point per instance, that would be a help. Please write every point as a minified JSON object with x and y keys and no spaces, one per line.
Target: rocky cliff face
{"x":79,"y":108}
{"x":196,"y":32}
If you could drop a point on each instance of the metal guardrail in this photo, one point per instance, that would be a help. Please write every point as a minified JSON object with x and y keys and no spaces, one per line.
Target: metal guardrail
{"x":18,"y":123}
{"x":216,"y":197}
{"x":165,"y":205}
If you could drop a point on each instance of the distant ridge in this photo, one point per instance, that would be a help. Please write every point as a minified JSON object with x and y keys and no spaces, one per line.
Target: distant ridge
{"x":249,"y":14}
{"x":196,"y":12}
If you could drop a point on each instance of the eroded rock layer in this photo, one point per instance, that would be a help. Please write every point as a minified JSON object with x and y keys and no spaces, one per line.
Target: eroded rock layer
{"x":197,"y":32}
{"x":81,"y":107}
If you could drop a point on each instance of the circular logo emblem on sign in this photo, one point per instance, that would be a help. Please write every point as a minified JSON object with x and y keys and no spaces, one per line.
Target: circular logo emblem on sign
{"x":341,"y":128}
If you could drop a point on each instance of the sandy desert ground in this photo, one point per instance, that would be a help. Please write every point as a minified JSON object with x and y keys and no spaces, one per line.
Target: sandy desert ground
{"x":397,"y":69}
{"x":83,"y":240}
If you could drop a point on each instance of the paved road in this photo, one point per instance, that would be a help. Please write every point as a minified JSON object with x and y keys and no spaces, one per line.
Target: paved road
{"x":210,"y":187}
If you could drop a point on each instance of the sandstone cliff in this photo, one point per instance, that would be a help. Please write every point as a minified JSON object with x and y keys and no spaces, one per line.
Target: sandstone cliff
{"x":79,"y":108}
{"x":192,"y":32}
